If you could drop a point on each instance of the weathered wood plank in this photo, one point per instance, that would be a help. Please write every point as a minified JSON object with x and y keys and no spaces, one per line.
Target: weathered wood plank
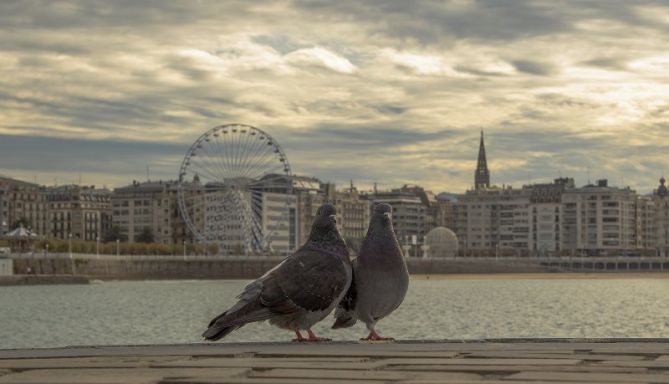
{"x":113,"y":376}
{"x":575,"y":361}
{"x":550,"y":376}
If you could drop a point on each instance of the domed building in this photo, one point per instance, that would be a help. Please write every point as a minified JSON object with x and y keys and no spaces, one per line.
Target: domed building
{"x":441,"y":242}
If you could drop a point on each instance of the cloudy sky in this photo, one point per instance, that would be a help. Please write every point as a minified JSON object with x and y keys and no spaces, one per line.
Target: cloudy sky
{"x":388,"y":91}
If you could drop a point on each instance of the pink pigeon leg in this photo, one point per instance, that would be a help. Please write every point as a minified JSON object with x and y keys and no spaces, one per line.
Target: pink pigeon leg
{"x":299,"y":337}
{"x":373,"y":336}
{"x":313,"y":337}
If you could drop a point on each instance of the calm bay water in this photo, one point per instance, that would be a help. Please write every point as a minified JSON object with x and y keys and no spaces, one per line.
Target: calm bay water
{"x":161,"y":312}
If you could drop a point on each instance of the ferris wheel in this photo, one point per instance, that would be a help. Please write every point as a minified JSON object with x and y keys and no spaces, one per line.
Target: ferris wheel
{"x":235,"y":189}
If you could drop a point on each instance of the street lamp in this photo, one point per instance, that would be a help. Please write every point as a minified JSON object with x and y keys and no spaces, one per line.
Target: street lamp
{"x":46,"y":250}
{"x":97,"y":246}
{"x":69,"y":245}
{"x":118,"y":247}
{"x":184,"y":249}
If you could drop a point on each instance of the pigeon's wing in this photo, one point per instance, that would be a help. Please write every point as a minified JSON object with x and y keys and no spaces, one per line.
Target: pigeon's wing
{"x":345,"y":312}
{"x":309,"y":280}
{"x":347,"y":303}
{"x":248,"y":309}
{"x":250,"y":306}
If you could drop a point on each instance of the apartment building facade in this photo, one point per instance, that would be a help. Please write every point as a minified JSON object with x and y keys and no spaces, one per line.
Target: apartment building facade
{"x":23,"y":202}
{"x":660,"y":218}
{"x":408,"y":216}
{"x":600,"y":220}
{"x":78,"y":212}
{"x":152,"y":205}
{"x":494,"y":220}
{"x":353,"y":212}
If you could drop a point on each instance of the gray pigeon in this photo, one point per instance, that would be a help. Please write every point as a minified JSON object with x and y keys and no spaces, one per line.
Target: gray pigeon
{"x":380,"y":277}
{"x":299,"y":292}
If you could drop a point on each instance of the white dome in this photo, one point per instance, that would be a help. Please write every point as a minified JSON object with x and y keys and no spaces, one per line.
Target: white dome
{"x":441,"y":242}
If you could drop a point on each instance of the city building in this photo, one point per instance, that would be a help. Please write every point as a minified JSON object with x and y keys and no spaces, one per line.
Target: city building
{"x":415,"y":212}
{"x":482,"y":174}
{"x":279,"y":222}
{"x":23,"y":203}
{"x":493,"y":220}
{"x":556,"y":219}
{"x":353,"y":212}
{"x":435,"y":210}
{"x":4,"y":211}
{"x":645,"y":225}
{"x":153,"y":205}
{"x":599,"y":219}
{"x":309,"y":194}
{"x":444,"y":210}
{"x":546,"y":215}
{"x":660,"y":209}
{"x":545,"y":219}
{"x":6,"y":265}
{"x":79,"y":212}
{"x":440,"y":242}
{"x":408,"y":216}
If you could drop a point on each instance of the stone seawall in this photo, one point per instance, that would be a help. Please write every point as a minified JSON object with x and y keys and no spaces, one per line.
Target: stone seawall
{"x":42,"y":279}
{"x":127,"y":268}
{"x":141,"y":267}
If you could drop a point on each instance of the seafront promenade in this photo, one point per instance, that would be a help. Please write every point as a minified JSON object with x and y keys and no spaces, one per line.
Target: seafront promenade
{"x":217,"y":267}
{"x":485,"y":362}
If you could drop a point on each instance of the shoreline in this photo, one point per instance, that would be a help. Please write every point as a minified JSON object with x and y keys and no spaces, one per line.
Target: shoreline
{"x":16,"y":280}
{"x":544,"y":276}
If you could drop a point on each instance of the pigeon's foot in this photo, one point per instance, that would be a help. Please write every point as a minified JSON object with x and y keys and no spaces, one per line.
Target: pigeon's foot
{"x":373,"y":336}
{"x":313,"y":337}
{"x":299,"y":337}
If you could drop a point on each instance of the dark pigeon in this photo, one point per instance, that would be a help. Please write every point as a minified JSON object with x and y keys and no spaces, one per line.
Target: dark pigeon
{"x":299,"y":292}
{"x":380,"y":277}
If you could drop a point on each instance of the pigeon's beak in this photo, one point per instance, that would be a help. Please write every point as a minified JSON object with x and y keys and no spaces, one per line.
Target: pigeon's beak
{"x":333,"y":218}
{"x":387,"y":215}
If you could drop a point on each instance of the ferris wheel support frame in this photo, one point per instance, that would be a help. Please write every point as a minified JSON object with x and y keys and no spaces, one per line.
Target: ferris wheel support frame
{"x":257,"y":239}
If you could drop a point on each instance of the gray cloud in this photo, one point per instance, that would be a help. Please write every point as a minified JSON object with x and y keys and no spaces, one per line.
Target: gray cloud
{"x":607,"y":63}
{"x":533,"y":67}
{"x":434,"y":21}
{"x":375,"y":138}
{"x":81,"y":155}
{"x":98,"y":86}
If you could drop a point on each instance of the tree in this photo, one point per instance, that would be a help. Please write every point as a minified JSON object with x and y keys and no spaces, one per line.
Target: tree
{"x":146,"y":236}
{"x":114,"y":233}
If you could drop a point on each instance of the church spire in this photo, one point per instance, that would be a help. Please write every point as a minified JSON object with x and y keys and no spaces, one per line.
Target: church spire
{"x":482,"y":175}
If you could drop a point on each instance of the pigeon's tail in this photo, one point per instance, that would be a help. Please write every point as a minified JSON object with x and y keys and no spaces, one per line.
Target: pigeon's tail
{"x":214,"y":333}
{"x":235,"y":318}
{"x":345,"y":312}
{"x":344,"y":320}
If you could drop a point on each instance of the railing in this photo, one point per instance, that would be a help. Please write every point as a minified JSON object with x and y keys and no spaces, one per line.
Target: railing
{"x":506,"y":259}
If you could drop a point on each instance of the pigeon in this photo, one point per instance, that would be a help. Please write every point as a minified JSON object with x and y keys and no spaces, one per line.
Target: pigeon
{"x":300,"y":291}
{"x":380,"y":277}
